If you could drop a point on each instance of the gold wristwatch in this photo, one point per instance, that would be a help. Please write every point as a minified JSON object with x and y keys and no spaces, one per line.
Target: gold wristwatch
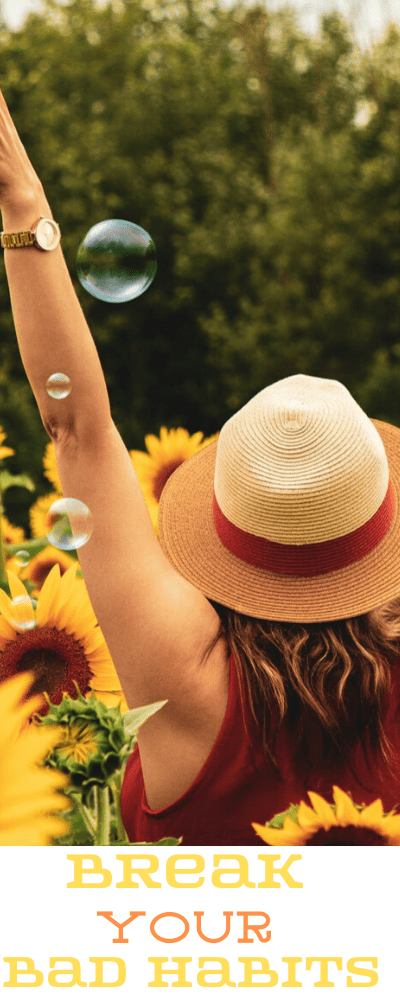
{"x":44,"y":234}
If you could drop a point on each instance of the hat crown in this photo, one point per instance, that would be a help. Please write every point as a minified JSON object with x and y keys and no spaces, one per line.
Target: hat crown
{"x":300,"y":463}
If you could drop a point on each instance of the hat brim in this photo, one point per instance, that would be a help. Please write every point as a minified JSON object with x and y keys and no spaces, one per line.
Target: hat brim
{"x":189,"y":539}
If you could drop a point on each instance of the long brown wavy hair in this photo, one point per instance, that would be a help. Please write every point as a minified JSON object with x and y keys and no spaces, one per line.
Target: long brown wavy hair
{"x":326,"y":679}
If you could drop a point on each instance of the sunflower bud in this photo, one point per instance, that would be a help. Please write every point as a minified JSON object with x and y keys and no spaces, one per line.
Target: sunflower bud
{"x":93,"y":742}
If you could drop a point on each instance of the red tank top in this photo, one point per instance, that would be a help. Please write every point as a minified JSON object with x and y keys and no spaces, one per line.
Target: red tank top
{"x":237,"y":786}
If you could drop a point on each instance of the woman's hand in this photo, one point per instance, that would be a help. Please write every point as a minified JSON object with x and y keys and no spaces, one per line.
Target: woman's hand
{"x":20,"y":189}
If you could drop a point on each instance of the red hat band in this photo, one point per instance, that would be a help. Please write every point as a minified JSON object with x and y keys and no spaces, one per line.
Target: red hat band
{"x":313,"y":558}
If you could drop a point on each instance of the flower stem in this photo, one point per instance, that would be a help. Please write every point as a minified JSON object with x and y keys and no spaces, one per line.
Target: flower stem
{"x":115,"y":785}
{"x":102,"y":832}
{"x":85,"y":813}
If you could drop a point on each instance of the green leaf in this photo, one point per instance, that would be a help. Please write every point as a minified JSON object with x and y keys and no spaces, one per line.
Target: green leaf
{"x":277,"y":821}
{"x":7,"y":480}
{"x":137,"y":716}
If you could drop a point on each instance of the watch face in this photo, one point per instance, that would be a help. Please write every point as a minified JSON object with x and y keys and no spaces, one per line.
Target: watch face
{"x":47,"y":234}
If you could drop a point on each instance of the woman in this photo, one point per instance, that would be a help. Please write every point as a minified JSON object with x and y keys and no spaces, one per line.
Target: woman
{"x":246,"y":619}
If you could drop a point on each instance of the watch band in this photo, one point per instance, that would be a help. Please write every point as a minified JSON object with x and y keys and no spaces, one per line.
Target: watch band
{"x":12,"y":241}
{"x":44,"y":234}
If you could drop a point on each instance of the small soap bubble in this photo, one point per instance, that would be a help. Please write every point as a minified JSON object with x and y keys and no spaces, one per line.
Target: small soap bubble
{"x":23,"y":613}
{"x":72,"y":524}
{"x":116,"y":261}
{"x":58,"y":386}
{"x":22,"y":558}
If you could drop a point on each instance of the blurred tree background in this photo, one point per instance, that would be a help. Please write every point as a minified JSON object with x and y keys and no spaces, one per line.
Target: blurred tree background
{"x":264,"y":163}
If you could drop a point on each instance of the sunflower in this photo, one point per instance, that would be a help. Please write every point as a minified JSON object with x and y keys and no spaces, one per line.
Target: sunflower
{"x":341,"y":823}
{"x":50,"y":468}
{"x":4,"y":452}
{"x":40,"y":565}
{"x":39,"y":518}
{"x":163,"y":456}
{"x":59,"y":640}
{"x":10,"y":534}
{"x":30,"y":795}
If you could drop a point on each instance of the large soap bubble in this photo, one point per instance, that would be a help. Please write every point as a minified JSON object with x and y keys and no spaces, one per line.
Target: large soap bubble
{"x":116,"y":260}
{"x":72,"y":524}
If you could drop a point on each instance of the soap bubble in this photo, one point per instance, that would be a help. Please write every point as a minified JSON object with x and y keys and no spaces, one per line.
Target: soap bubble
{"x":22,"y":558}
{"x":72,"y":524}
{"x":116,"y":261}
{"x":23,"y":613}
{"x":58,"y":386}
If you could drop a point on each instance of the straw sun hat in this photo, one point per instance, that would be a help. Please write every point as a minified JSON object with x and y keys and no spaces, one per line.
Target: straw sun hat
{"x":293,"y":513}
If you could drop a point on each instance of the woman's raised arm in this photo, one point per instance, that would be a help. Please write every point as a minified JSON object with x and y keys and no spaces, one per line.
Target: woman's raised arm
{"x":157,"y":625}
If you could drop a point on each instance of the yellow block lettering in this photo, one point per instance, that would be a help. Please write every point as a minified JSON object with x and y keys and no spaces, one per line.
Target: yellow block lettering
{"x":323,"y":968}
{"x":223,"y":972}
{"x":29,"y":970}
{"x":250,"y":971}
{"x":75,"y":972}
{"x":99,"y":967}
{"x":172,"y":871}
{"x":372,"y":976}
{"x":242,"y":872}
{"x":96,"y":869}
{"x":144,"y":873}
{"x":291,"y":980}
{"x":159,"y":972}
{"x":270,"y":871}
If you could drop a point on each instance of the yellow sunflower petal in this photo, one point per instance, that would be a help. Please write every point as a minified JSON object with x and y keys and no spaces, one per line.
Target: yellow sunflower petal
{"x":49,"y":598}
{"x":24,"y":809}
{"x":94,"y":641}
{"x":5,"y":605}
{"x":7,"y":631}
{"x":141,"y":460}
{"x":16,"y":586}
{"x":5,"y":452}
{"x":38,"y":832}
{"x":30,"y":793}
{"x":164,"y":454}
{"x":371,"y":815}
{"x":10,"y":534}
{"x":113,"y":699}
{"x":40,"y":565}
{"x":290,"y":836}
{"x":389,"y":827}
{"x":50,"y":467}
{"x":13,"y":709}
{"x":105,"y":677}
{"x":14,"y":613}
{"x":323,"y":810}
{"x":346,"y":813}
{"x":40,"y":522}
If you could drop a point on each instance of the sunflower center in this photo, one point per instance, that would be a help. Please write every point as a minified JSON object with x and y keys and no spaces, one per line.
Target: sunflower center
{"x":56,"y":658}
{"x":79,"y":743}
{"x":347,"y":836}
{"x":50,"y":669}
{"x":162,"y":475}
